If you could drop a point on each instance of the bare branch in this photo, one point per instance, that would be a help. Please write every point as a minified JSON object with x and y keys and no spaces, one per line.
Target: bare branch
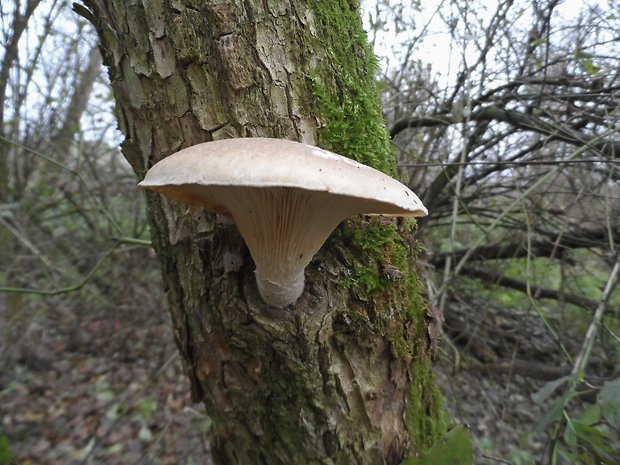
{"x":523,"y":121}
{"x":577,"y":239}
{"x":541,"y":292}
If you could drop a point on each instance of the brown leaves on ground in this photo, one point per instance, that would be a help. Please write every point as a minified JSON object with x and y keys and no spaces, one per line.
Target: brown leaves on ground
{"x":105,"y":390}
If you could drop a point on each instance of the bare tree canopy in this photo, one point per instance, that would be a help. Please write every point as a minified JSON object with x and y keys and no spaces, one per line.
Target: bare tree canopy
{"x":513,"y":131}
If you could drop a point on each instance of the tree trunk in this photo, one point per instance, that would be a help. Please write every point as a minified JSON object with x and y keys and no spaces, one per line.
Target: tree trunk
{"x":63,"y":139}
{"x":344,"y":375}
{"x":11,"y":52}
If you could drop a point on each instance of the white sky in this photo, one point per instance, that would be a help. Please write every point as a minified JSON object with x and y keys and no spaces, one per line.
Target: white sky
{"x":438,"y":49}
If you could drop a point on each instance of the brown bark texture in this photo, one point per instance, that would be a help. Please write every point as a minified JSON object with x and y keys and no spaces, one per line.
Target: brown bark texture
{"x":343,"y":376}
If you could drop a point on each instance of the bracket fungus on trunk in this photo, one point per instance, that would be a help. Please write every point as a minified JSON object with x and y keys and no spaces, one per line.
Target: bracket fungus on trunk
{"x":285,"y":198}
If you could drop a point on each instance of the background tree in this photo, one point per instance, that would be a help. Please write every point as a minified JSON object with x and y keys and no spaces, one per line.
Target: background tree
{"x":56,"y":218}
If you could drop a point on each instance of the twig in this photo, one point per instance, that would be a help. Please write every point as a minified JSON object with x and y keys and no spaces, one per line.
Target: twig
{"x":133,"y":241}
{"x":483,"y":237}
{"x":24,"y":240}
{"x":62,"y":290}
{"x":582,"y":359}
{"x":510,"y":163}
{"x":74,"y":172}
{"x":496,"y":459}
{"x":531,"y":296}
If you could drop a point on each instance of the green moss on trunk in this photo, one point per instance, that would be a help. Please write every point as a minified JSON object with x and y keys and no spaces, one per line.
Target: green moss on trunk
{"x":350,"y":119}
{"x":381,"y":253}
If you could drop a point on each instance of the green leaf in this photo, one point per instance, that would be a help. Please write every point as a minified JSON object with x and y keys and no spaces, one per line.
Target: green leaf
{"x":585,"y":60}
{"x":5,"y":452}
{"x":570,"y":434}
{"x":591,"y":415}
{"x":554,"y":413}
{"x":589,"y":67}
{"x":455,"y":448}
{"x":548,"y":389}
{"x":609,"y":400}
{"x":580,"y":54}
{"x":593,"y":436}
{"x":146,"y":407}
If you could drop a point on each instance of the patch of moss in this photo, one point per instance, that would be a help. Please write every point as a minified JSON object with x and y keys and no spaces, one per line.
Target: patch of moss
{"x":399,"y":312}
{"x":379,"y":253}
{"x":379,"y":279}
{"x":426,"y":419}
{"x":350,"y":118}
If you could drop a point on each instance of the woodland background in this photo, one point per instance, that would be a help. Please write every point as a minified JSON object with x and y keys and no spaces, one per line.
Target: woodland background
{"x":504,"y":118}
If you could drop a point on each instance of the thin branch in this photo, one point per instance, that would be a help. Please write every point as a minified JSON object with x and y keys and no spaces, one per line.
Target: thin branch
{"x":24,"y":240}
{"x":501,"y":163}
{"x":570,"y":240}
{"x":62,"y":290}
{"x":133,"y":241}
{"x":582,"y":359}
{"x":517,"y":119}
{"x":74,"y":172}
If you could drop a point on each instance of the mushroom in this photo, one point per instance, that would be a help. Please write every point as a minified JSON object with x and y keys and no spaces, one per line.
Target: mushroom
{"x":285,"y":198}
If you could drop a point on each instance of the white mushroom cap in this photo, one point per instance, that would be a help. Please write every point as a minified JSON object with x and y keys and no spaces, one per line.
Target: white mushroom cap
{"x":285,"y":197}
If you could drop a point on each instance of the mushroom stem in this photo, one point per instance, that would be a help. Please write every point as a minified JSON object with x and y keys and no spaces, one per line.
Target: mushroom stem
{"x":280,"y":290}
{"x":283,"y":229}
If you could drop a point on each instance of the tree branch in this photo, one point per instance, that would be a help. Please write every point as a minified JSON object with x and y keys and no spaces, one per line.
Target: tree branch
{"x":11,"y":52}
{"x":544,"y":248}
{"x":541,"y":292}
{"x":527,"y":368}
{"x":79,"y":99}
{"x":517,"y":119}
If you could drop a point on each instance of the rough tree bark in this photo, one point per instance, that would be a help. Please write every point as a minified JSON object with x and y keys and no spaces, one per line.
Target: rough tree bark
{"x":344,"y":375}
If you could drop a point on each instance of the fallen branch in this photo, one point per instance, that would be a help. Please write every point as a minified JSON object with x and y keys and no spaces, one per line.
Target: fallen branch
{"x":526,"y":368}
{"x":542,"y":248}
{"x":541,"y":292}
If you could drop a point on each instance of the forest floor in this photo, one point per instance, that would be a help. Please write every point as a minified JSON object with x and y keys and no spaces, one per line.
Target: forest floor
{"x":103,"y":390}
{"x":109,"y":389}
